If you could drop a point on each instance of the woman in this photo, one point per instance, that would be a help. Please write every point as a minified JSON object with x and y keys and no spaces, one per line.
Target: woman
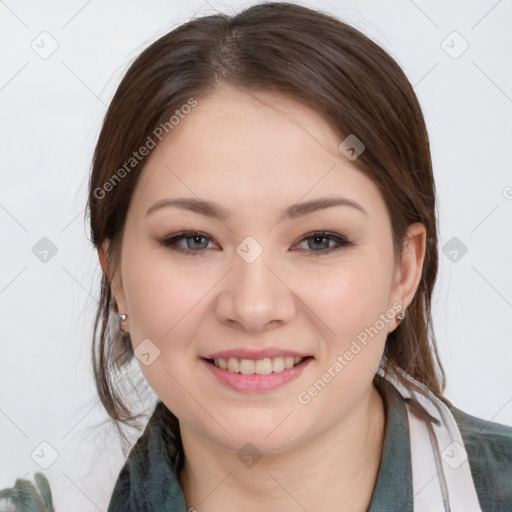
{"x":263,"y":206}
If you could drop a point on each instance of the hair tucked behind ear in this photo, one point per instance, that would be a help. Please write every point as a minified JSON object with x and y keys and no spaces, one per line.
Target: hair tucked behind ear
{"x":316,"y":59}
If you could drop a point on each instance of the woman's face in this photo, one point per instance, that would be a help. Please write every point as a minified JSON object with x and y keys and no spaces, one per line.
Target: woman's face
{"x":259,"y":286}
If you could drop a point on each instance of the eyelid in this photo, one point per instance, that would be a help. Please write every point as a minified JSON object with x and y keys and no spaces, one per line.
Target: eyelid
{"x":341,"y":240}
{"x":171,"y":241}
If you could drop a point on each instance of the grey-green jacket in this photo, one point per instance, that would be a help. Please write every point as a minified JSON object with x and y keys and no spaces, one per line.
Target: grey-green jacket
{"x":148,"y":482}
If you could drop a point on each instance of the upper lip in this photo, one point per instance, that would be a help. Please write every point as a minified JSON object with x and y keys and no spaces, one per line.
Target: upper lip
{"x":244,"y":353}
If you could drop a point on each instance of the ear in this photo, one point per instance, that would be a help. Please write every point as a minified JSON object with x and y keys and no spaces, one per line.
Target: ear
{"x":114,"y":280}
{"x":409,"y":269}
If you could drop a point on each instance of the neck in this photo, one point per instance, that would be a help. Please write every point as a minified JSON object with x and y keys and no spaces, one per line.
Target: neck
{"x":335,"y":471}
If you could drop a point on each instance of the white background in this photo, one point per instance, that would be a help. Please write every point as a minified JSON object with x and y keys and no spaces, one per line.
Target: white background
{"x":51,"y":111}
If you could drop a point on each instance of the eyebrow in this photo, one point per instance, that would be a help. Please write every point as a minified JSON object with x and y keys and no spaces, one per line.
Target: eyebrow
{"x":294,"y":211}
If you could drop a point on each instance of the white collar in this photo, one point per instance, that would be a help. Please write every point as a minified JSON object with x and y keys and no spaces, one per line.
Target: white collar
{"x":441,"y":475}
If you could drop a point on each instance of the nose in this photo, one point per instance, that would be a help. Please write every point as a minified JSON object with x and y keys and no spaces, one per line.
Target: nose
{"x":255,"y":296}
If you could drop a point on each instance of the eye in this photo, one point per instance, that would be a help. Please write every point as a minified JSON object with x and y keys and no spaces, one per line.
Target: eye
{"x":194,"y":242}
{"x":320,"y":241}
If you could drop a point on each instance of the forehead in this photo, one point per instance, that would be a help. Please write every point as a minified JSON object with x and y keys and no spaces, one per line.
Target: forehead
{"x":251,"y":149}
{"x":234,"y":123}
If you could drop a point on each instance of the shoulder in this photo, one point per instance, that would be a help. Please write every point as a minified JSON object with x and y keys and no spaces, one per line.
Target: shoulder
{"x":126,"y":493}
{"x":148,"y":480}
{"x":489,"y":449}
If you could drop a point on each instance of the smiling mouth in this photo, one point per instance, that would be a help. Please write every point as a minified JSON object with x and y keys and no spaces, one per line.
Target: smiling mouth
{"x":259,"y":366}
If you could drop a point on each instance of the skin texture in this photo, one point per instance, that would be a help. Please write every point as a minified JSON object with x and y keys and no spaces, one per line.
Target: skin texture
{"x":257,"y":154}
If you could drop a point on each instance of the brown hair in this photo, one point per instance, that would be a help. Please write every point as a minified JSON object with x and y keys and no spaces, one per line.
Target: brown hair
{"x":311,"y":57}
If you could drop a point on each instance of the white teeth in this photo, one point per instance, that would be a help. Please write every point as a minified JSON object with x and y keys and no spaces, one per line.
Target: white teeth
{"x":247,"y":366}
{"x":259,"y":366}
{"x":263,"y":366}
{"x":289,"y":362}
{"x":277,"y":364}
{"x":233,"y":365}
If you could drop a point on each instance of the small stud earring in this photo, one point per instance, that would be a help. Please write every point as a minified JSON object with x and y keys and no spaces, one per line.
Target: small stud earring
{"x":401,"y":315}
{"x":122,"y":322}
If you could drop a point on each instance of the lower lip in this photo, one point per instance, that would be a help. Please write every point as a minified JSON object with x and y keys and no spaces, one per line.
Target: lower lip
{"x":255,"y":382}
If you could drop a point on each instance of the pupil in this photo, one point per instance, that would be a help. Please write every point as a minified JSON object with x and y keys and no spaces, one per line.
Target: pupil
{"x":318,"y":239}
{"x":196,"y":239}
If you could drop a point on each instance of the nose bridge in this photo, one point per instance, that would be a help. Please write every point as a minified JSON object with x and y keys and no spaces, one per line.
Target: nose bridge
{"x":254,"y":295}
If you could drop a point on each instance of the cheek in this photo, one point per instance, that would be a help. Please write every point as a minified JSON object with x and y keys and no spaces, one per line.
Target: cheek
{"x":348,"y":297}
{"x":164,"y":306}
{"x":351,"y":302}
{"x":159,"y":297}
{"x":355,"y":318}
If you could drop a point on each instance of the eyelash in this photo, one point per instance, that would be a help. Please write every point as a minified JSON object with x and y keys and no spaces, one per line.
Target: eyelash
{"x":171,"y":242}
